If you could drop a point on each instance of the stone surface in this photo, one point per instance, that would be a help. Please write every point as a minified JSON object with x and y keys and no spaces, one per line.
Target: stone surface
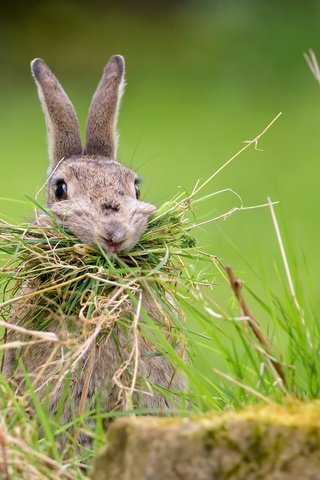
{"x":272,"y":442}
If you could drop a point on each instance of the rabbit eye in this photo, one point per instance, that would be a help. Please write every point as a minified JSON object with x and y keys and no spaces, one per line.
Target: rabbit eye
{"x":61,"y":190}
{"x":136,"y":187}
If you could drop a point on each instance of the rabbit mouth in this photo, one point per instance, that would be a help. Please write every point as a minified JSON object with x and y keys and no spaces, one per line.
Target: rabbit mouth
{"x":113,"y":247}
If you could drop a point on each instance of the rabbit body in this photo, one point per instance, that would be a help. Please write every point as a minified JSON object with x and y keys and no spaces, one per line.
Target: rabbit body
{"x":96,"y":199}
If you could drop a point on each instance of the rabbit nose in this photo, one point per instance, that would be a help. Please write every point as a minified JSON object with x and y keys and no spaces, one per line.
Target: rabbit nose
{"x":115,"y":232}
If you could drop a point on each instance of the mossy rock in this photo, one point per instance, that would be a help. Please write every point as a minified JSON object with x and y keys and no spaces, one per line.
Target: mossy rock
{"x":270,"y":442}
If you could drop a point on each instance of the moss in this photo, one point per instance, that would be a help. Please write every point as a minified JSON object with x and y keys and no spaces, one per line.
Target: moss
{"x":294,"y":413}
{"x":264,"y":442}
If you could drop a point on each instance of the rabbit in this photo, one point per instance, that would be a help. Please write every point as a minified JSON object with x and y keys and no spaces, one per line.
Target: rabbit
{"x":97,"y":200}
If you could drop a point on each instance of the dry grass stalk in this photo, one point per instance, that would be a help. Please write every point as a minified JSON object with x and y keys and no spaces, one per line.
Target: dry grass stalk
{"x":236,"y":285}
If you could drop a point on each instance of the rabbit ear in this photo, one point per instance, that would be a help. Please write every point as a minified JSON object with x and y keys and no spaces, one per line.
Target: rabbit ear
{"x":103,"y":112}
{"x":61,"y":119}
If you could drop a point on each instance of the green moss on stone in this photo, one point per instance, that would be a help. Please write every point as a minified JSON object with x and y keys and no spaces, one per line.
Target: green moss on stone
{"x":263,"y":442}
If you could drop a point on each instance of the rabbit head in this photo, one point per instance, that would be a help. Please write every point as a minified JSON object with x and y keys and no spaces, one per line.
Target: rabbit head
{"x":92,"y":195}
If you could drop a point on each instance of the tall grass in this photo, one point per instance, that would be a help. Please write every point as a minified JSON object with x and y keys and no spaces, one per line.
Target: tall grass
{"x":259,"y":348}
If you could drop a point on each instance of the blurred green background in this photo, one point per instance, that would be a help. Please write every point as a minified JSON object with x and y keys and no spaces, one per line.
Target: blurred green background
{"x":203,"y":76}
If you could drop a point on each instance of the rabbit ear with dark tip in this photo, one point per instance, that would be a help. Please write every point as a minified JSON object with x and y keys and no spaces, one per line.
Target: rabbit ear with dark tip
{"x":101,"y":137}
{"x":61,"y":119}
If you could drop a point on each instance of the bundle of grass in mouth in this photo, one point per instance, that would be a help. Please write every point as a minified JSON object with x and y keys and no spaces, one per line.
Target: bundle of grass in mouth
{"x":91,"y":316}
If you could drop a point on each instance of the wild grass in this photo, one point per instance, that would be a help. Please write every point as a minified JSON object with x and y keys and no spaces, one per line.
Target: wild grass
{"x":261,"y":347}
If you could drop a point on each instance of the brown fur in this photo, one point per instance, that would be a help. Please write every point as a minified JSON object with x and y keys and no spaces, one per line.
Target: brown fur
{"x":101,"y":125}
{"x":61,"y":118}
{"x":101,"y":207}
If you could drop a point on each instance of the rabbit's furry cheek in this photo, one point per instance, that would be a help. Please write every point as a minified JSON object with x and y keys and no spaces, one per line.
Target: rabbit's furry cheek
{"x":76,"y":220}
{"x":140,"y":214}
